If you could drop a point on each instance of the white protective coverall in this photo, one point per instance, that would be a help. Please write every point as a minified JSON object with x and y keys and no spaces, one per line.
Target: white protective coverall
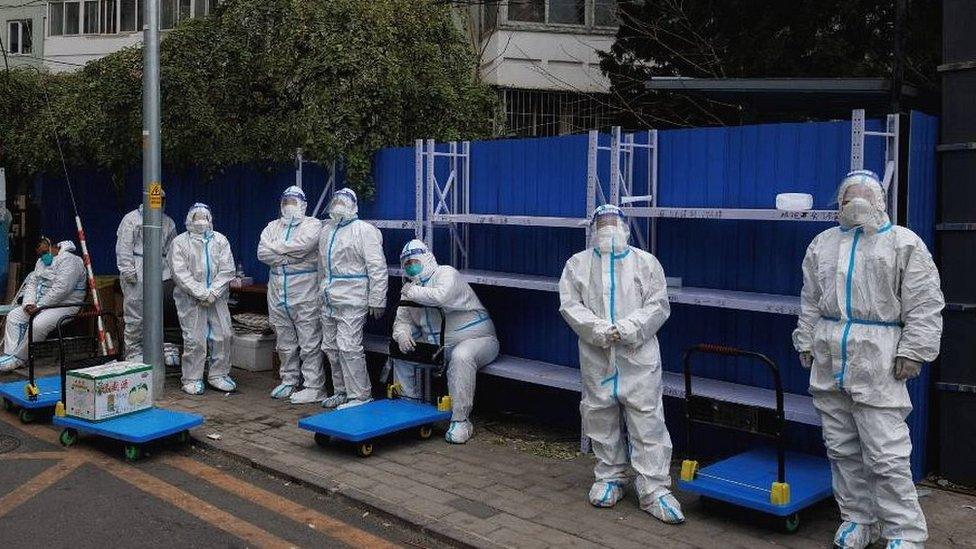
{"x":64,"y":281}
{"x":203,"y":267}
{"x":469,"y":339}
{"x":615,"y":298}
{"x":128,"y":259}
{"x":871,"y":298}
{"x":353,"y":279}
{"x":289,"y":246}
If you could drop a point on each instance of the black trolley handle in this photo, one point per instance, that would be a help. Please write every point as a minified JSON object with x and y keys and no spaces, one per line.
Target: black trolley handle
{"x":119,"y":349}
{"x":415,"y":305}
{"x":30,"y":334}
{"x":725,"y":350}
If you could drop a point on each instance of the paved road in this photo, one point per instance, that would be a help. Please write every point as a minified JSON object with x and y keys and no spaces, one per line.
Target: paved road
{"x":86,"y":496}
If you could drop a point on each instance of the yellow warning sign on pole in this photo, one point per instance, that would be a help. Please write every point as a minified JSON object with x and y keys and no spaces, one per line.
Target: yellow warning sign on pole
{"x":155,"y":196}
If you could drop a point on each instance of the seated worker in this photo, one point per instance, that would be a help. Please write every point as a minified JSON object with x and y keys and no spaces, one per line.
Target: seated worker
{"x":470,"y":337}
{"x":58,"y":277}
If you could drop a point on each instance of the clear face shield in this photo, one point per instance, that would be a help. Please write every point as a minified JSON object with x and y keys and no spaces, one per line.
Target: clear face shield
{"x":342,"y":206}
{"x":291,"y":207}
{"x":859,"y":206}
{"x":610,"y":231}
{"x":199,"y":222}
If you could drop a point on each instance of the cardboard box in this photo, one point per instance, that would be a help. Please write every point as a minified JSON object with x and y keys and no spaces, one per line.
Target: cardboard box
{"x":108,"y":391}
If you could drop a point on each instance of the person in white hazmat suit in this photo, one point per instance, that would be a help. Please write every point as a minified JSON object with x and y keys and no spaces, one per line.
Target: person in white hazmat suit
{"x":615,"y":298}
{"x":870,"y":316}
{"x":469,"y":339}
{"x":203,"y":266}
{"x":59,"y":277}
{"x":289,"y":246}
{"x":128,"y":259}
{"x":353,"y":279}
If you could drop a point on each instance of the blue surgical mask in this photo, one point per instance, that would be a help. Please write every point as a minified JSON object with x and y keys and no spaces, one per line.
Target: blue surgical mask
{"x":47,"y":258}
{"x":414,"y":269}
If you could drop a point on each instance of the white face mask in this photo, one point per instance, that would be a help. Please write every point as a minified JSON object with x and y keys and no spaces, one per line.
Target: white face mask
{"x":290,"y":211}
{"x":857,"y":212}
{"x":199,"y":226}
{"x":611,"y":238}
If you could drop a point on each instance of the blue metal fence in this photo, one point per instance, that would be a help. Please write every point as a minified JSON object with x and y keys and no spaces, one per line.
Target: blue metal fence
{"x":738,"y":167}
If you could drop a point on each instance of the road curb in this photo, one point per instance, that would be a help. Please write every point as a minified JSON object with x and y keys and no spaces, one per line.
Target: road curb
{"x":351,"y":495}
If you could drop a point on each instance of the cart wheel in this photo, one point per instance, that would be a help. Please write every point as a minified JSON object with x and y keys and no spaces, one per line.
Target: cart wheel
{"x":424,"y":432}
{"x":183,"y":437}
{"x":7,"y":405}
{"x":322,"y":439}
{"x":132,"y":452}
{"x":364,"y":450}
{"x":68,"y":437}
{"x":27,"y":415}
{"x":791,"y":523}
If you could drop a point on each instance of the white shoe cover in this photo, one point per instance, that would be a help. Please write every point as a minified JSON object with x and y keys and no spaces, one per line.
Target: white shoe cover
{"x":665,"y":508}
{"x":852,"y":535}
{"x":9,"y":363}
{"x":306,"y":396}
{"x":282,"y":391}
{"x":904,"y":544}
{"x":606,"y":494}
{"x":353,"y":403}
{"x":459,"y":432}
{"x":335,"y":400}
{"x":193,"y":387}
{"x":222,"y":383}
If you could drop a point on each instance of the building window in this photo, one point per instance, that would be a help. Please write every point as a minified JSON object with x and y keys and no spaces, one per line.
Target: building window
{"x":55,"y":17}
{"x":109,"y":16}
{"x":579,"y":13}
{"x":19,"y":38}
{"x":72,"y":17}
{"x":131,"y":16}
{"x":528,"y":11}
{"x":115,"y":16}
{"x":90,"y":19}
{"x":567,"y":12}
{"x":605,"y":13}
{"x":539,"y":113}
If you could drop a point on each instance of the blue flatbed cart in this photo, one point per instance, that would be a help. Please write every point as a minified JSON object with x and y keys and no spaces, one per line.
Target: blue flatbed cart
{"x":771,"y":481}
{"x":35,"y":397}
{"x":361,"y":425}
{"x":133,"y":430}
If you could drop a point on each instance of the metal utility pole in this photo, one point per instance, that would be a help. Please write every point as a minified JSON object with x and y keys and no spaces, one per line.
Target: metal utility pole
{"x":152,"y":201}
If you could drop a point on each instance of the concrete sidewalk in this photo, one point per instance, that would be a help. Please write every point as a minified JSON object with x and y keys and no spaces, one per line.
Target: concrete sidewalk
{"x":487,"y":494}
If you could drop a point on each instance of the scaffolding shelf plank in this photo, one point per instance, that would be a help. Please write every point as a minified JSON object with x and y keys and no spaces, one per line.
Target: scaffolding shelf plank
{"x":393,"y":223}
{"x":520,"y":220}
{"x":731,"y":214}
{"x":733,"y":299}
{"x":705,"y":297}
{"x":798,"y":408}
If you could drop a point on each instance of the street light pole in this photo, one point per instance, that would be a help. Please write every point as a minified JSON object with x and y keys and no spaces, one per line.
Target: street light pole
{"x":152,"y":201}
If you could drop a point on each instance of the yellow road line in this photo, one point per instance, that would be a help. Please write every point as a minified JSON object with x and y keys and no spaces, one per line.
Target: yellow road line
{"x":336,"y":529}
{"x":38,"y":484}
{"x":207,"y":512}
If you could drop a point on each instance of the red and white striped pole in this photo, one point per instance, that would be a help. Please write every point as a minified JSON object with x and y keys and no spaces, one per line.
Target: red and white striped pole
{"x":104,"y":337}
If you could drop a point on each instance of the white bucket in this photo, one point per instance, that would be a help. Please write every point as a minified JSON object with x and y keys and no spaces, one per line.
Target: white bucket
{"x":794,"y":202}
